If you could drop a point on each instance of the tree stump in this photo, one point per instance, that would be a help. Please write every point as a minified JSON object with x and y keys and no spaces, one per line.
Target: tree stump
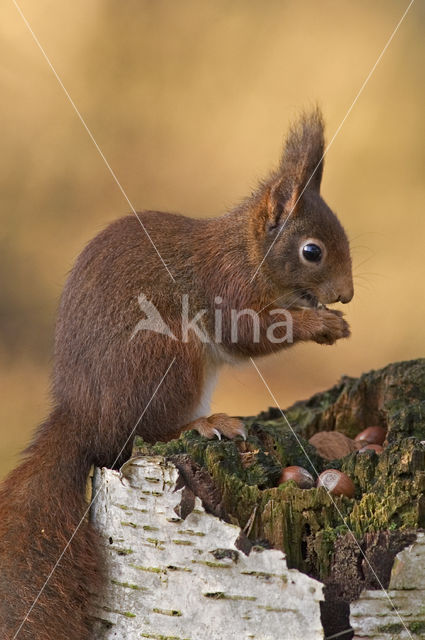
{"x":230,"y":490}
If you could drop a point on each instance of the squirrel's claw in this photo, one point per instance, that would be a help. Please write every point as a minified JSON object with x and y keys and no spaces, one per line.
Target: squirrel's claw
{"x":218,"y":425}
{"x":242,"y":433}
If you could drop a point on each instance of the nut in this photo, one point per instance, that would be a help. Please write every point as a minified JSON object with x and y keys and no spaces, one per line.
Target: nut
{"x":332,"y":444}
{"x":374,"y":447}
{"x":372,"y":435}
{"x":299,"y":475}
{"x":337,"y":483}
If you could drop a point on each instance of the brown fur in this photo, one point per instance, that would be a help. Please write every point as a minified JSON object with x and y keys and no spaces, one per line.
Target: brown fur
{"x":102,"y":380}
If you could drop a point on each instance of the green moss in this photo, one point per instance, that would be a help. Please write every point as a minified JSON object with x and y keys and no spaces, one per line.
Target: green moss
{"x":220,"y":595}
{"x":121,"y":551}
{"x":122,"y":506}
{"x":172,"y":567}
{"x":149,"y":569}
{"x":127,"y":585}
{"x":190,"y":532}
{"x":264,"y":574}
{"x":129,"y":524}
{"x":156,"y":542}
{"x":214,"y":565}
{"x":167,"y":612}
{"x":417,"y":627}
{"x":127,"y":614}
{"x":159,"y":636}
{"x":394,"y":627}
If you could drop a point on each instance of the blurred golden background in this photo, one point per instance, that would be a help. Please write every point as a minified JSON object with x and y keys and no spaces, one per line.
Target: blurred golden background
{"x":189,"y":102}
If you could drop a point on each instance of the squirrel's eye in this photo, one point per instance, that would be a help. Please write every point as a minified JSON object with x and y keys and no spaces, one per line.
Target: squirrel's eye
{"x":312,"y":252}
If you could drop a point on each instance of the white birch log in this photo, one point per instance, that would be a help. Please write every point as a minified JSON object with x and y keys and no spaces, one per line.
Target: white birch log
{"x":373,"y":615}
{"x":174,"y":579}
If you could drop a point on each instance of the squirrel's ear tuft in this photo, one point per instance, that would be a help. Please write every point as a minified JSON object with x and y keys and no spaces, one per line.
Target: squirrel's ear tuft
{"x":300,"y":168}
{"x":301,"y":165}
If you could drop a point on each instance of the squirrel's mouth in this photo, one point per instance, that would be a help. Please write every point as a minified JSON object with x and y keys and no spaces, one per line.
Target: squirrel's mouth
{"x":309,"y":301}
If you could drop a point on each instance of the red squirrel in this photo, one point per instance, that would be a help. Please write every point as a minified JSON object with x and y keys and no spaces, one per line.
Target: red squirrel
{"x":106,"y":374}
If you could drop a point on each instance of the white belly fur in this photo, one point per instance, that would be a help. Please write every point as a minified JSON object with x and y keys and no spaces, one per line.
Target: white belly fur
{"x":216,"y":357}
{"x":204,"y":406}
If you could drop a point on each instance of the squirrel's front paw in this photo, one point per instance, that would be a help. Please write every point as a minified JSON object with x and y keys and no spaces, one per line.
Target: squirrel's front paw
{"x":219,"y":424}
{"x":332,"y":327}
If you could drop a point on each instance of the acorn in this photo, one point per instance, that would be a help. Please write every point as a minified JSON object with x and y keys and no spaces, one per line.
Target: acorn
{"x":374,"y":447}
{"x":337,"y":483}
{"x":372,"y":435}
{"x":299,"y":475}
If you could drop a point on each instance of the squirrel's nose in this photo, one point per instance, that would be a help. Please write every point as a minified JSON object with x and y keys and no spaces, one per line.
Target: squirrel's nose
{"x":345,"y":297}
{"x":343,"y":289}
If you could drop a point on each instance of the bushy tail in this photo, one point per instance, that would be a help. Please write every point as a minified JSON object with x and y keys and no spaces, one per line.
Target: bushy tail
{"x":50,"y":558}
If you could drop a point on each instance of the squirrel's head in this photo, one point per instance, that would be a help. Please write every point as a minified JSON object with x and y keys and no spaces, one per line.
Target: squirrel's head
{"x":306,"y":251}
